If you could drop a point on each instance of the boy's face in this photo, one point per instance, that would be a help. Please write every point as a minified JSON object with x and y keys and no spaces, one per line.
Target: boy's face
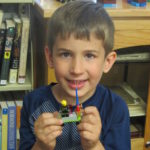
{"x":78,"y":63}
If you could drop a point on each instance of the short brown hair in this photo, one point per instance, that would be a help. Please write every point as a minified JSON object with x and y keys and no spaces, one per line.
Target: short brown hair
{"x":81,"y":18}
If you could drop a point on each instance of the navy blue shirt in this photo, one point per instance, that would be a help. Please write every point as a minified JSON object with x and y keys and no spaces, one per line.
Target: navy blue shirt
{"x":115,"y":133}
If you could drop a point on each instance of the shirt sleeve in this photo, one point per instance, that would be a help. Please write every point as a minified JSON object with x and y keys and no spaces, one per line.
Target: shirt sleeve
{"x":117,"y":135}
{"x":27,"y":138}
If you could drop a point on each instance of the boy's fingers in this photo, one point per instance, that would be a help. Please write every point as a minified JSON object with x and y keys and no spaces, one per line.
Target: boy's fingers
{"x":46,"y":115}
{"x":91,"y":110}
{"x":48,"y":130}
{"x":47,"y":119}
{"x":91,"y":115}
{"x":85,"y":127}
{"x":51,"y":121}
{"x":49,"y":137}
{"x":55,"y":114}
{"x":89,"y":118}
{"x":54,"y":135}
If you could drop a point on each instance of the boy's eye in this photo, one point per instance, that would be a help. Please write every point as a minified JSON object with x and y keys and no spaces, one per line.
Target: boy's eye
{"x":90,"y":56}
{"x":65,"y":54}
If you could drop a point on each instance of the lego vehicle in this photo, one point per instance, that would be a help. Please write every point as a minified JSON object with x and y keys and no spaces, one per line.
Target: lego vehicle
{"x":67,"y":114}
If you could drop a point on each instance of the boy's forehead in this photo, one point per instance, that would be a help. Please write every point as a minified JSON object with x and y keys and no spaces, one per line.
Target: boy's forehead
{"x":72,"y":42}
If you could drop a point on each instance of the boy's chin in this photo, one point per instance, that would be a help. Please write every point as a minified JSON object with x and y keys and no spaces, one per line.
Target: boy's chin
{"x":71,"y":94}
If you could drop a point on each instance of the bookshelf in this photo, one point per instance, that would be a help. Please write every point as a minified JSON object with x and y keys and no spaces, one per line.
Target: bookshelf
{"x":132,"y":29}
{"x":137,"y":82}
{"x":28,"y":85}
{"x":136,"y":104}
{"x":16,"y":91}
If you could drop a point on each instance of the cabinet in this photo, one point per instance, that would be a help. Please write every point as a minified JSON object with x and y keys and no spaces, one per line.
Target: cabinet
{"x":132,"y":29}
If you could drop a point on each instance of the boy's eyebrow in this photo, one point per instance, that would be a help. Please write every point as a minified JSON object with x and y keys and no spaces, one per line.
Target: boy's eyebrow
{"x":62,"y":49}
{"x":91,"y":51}
{"x":86,"y":51}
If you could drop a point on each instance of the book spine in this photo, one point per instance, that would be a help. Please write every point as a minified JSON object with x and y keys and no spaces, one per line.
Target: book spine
{"x":7,"y":52}
{"x":18,"y":116}
{"x":14,"y":65}
{"x":23,"y":50}
{"x":4,"y":128}
{"x":2,"y":41}
{"x":1,"y":16}
{"x":11,"y":138}
{"x":18,"y":109}
{"x":5,"y":68}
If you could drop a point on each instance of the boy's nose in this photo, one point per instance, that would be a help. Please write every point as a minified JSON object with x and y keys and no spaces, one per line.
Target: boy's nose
{"x":77,"y":66}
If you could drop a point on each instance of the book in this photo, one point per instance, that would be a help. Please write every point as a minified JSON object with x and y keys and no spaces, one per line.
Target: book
{"x":11,"y":137}
{"x":2,"y":41}
{"x":23,"y":50}
{"x":138,"y":3}
{"x":4,"y":116}
{"x":14,"y":64}
{"x":10,"y":31}
{"x":18,"y":115}
{"x":1,"y":17}
{"x":108,"y":3}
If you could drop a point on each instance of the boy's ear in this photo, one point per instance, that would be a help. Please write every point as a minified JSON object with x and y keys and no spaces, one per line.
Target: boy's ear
{"x":48,"y":56}
{"x":109,"y":61}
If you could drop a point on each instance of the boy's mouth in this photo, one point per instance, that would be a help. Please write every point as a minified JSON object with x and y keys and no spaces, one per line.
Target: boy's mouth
{"x":76,"y":83}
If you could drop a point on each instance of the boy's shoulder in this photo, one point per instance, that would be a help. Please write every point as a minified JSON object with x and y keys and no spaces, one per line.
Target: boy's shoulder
{"x":113,"y":108}
{"x":37,"y":100}
{"x":106,"y":92}
{"x":38,"y":96}
{"x":42,"y":91}
{"x":111,"y":99}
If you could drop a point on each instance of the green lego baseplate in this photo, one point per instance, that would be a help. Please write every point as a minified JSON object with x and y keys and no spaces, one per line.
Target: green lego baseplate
{"x":73,"y":117}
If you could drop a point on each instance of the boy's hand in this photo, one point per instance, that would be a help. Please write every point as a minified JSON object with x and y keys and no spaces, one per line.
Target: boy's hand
{"x":47,"y":128}
{"x":90,"y":128}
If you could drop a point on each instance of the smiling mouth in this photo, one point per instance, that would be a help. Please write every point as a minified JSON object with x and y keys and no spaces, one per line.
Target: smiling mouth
{"x":76,"y":83}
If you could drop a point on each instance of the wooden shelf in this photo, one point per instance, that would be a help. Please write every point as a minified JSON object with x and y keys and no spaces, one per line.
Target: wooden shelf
{"x":18,"y":87}
{"x":123,"y":9}
{"x":137,"y":111}
{"x":137,"y":143}
{"x":132,"y":23}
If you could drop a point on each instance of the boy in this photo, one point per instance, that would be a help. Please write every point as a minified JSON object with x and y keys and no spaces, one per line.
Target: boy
{"x":80,"y":43}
